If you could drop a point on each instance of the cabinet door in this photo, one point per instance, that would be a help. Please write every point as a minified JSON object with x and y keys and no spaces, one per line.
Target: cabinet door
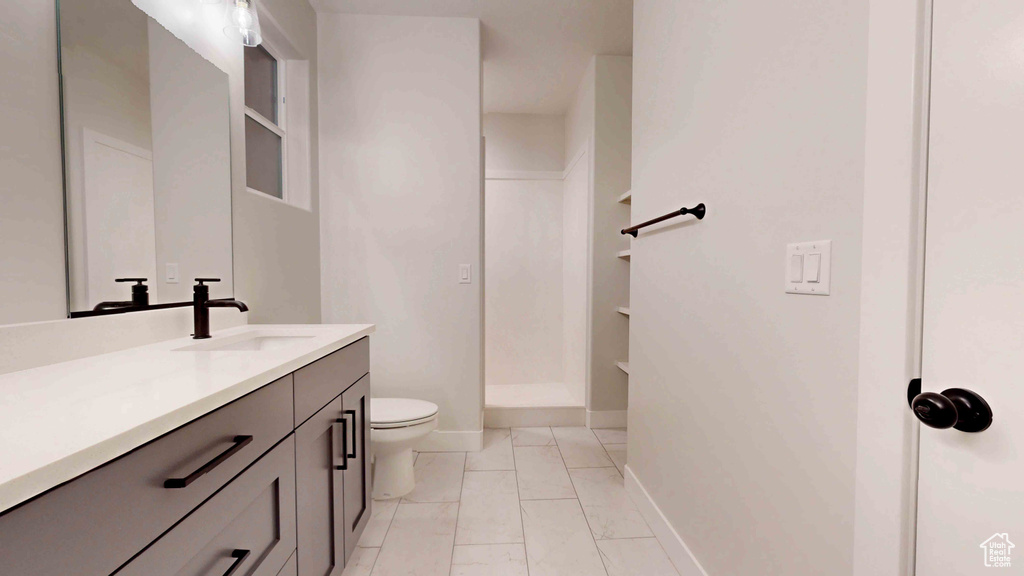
{"x":318,"y":453}
{"x":356,"y":404}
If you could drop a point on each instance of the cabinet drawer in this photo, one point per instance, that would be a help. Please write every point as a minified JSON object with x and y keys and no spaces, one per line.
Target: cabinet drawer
{"x":323,"y":380}
{"x":246,"y":528}
{"x":97,"y":522}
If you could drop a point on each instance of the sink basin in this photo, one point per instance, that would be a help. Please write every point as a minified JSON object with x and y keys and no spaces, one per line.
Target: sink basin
{"x":248,"y":342}
{"x":262,"y":343}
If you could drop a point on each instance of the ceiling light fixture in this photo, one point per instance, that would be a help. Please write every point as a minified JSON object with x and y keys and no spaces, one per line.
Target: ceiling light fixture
{"x":244,"y":23}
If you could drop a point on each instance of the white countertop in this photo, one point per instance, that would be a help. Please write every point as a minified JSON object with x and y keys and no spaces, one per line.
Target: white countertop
{"x":60,"y":421}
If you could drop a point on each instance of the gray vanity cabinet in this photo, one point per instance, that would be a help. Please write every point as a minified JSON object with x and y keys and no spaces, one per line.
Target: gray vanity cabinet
{"x":276,"y":483}
{"x":320,"y":485}
{"x":332,"y":467}
{"x":355,"y":403}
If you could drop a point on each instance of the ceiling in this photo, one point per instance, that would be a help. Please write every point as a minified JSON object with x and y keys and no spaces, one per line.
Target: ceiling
{"x":535,"y":51}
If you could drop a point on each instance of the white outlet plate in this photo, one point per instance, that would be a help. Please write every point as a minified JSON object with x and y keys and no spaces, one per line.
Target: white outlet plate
{"x":171,"y":274}
{"x":822,"y":287}
{"x":465,"y":273}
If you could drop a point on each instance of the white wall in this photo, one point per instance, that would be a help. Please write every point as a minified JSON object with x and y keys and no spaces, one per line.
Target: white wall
{"x":599,"y":123}
{"x":31,"y":193}
{"x":277,"y":246}
{"x":525,"y":142}
{"x":742,"y":401}
{"x":579,"y":118}
{"x":523,"y":224}
{"x":402,"y":202}
{"x":609,"y":275}
{"x":575,"y":277}
{"x":577,"y":197}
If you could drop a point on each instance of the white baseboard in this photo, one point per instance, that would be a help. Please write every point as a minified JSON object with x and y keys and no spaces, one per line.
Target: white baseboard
{"x":444,"y":441}
{"x":606,"y":419}
{"x":677,"y":550}
{"x":502,"y":417}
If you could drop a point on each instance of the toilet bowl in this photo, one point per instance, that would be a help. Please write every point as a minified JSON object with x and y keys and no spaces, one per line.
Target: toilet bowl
{"x":396,"y":425}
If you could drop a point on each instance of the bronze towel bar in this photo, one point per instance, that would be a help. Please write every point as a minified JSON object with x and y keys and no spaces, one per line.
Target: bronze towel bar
{"x":699,"y":211}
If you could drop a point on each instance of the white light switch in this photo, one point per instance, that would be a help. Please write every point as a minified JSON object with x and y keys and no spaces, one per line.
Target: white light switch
{"x":465,"y":273}
{"x":814,"y":262}
{"x":796,"y":268}
{"x":812,"y":271}
{"x":171,"y":274}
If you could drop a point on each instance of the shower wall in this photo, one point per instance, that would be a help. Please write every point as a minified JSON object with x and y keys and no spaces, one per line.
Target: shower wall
{"x":523,"y":300}
{"x":523,"y":217}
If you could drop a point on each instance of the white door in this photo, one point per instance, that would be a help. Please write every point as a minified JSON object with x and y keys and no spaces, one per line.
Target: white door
{"x":971,"y":486}
{"x":120,"y":228}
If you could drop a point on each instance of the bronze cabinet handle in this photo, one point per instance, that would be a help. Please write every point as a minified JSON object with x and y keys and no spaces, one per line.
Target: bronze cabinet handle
{"x":240,"y":442}
{"x":355,"y":442}
{"x":239,"y":556}
{"x":344,"y":444}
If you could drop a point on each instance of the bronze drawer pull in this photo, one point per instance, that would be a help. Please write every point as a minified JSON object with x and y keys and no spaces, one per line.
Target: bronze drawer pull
{"x":240,"y":442}
{"x":239,"y":556}
{"x":344,"y":444}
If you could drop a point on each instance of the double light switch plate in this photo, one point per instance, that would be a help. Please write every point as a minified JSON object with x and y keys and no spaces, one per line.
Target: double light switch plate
{"x":809,"y":268}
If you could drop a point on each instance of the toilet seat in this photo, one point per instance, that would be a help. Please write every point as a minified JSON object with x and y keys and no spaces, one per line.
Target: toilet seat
{"x":389,"y":413}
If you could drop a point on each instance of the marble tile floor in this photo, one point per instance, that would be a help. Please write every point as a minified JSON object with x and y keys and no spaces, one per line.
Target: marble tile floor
{"x":533,"y":502}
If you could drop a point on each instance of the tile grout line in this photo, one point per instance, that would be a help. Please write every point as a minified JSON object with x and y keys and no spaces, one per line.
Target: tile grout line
{"x":375,"y":558}
{"x":519,"y":500}
{"x":599,"y":552}
{"x":648,"y":524}
{"x":384,"y":540}
{"x":559,"y":449}
{"x":580,"y":502}
{"x":458,"y":515}
{"x":653,"y":535}
{"x":609,"y":454}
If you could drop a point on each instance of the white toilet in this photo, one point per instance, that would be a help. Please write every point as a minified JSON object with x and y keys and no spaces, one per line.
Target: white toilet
{"x":396,"y":424}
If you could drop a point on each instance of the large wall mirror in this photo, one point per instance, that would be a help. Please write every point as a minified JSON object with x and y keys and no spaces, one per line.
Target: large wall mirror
{"x":147,"y":160}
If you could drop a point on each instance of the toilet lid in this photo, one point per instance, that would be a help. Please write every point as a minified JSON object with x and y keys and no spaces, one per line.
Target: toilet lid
{"x":399,"y":412}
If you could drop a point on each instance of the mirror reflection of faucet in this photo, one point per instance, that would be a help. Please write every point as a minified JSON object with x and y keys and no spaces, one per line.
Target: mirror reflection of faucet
{"x":201,"y":305}
{"x":140,"y":296}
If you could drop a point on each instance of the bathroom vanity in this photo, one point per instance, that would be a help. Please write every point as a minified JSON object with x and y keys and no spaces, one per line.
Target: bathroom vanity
{"x":247,"y":453}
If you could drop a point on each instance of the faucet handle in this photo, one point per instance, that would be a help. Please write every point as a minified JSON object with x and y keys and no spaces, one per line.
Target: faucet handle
{"x":140,"y":292}
{"x":201,"y":280}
